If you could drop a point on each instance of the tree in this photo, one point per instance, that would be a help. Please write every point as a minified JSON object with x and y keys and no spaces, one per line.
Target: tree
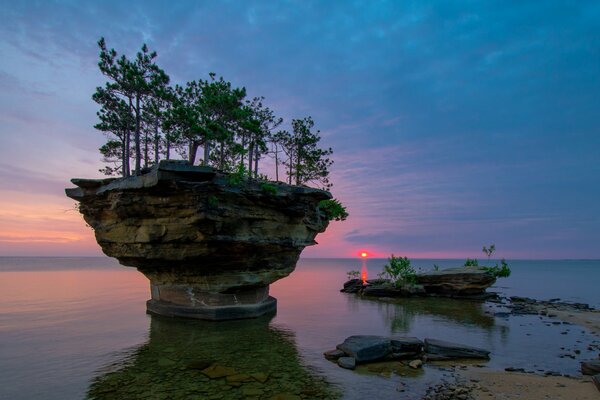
{"x":134,"y":81}
{"x":264,"y":123}
{"x":115,"y":119}
{"x":306,"y":161}
{"x":489,"y":251}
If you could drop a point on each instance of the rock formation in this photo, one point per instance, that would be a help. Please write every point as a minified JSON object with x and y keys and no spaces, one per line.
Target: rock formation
{"x":209,"y":247}
{"x":452,"y":282}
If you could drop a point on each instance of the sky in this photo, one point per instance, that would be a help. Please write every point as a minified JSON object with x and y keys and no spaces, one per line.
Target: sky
{"x":454,"y":124}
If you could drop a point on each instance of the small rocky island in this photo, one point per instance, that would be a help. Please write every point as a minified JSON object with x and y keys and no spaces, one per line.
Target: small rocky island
{"x":209,"y":246}
{"x":464,"y":282}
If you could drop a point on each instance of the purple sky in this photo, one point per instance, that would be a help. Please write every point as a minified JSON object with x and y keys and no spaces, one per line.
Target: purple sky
{"x":454,"y":124}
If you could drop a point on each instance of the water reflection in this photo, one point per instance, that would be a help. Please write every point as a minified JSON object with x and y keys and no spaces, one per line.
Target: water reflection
{"x":259,"y":360}
{"x":400,"y":314}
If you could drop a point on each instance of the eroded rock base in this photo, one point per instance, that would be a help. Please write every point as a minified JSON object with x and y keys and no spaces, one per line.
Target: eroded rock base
{"x":213,"y":313}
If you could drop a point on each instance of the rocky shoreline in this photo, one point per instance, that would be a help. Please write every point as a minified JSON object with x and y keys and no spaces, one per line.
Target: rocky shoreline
{"x":468,"y":380}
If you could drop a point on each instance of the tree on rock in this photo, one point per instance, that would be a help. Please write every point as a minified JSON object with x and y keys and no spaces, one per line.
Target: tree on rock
{"x":306,"y":161}
{"x":133,"y":81}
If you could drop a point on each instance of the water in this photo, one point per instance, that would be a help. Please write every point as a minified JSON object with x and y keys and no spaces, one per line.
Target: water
{"x":76,"y":327}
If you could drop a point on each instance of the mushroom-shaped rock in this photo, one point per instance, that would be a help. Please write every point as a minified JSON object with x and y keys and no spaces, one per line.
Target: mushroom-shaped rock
{"x":210,"y":247}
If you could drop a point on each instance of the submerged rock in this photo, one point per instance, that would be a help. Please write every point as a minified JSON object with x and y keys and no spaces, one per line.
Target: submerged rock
{"x":210,"y":248}
{"x":447,"y":350}
{"x":347,"y":362}
{"x":365,"y":348}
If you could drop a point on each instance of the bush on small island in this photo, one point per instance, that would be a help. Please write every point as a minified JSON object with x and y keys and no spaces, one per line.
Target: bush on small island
{"x":333,"y":209}
{"x":354,"y":274}
{"x":471,"y":262}
{"x":499,"y":272}
{"x":399,"y":271}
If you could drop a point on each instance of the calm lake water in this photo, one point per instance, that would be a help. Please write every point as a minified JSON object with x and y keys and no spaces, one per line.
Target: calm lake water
{"x":72,"y":328}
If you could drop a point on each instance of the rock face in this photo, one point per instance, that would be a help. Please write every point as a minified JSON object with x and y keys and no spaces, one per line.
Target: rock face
{"x":210,"y":248}
{"x":463,"y":281}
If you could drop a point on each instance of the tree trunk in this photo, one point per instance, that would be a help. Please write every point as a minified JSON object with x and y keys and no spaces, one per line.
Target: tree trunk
{"x":193,"y":150}
{"x":145,"y":148}
{"x":256,"y":157}
{"x":127,"y":152}
{"x":156,"y":140}
{"x":138,"y":149}
{"x":250,"y":157}
{"x":276,"y":164}
{"x":124,"y":155}
{"x":206,"y":151}
{"x":298,"y":166}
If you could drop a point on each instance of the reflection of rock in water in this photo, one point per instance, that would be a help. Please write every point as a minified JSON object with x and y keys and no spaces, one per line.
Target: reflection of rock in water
{"x":401,"y":312}
{"x":249,"y":358}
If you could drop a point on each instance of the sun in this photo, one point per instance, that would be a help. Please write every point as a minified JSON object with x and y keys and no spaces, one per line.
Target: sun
{"x":364,"y":254}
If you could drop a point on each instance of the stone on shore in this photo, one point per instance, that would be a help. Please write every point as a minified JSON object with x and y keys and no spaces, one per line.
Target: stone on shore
{"x":366,"y":348}
{"x":590,"y":367}
{"x":449,"y":350}
{"x":347,"y":362}
{"x":415,"y":364}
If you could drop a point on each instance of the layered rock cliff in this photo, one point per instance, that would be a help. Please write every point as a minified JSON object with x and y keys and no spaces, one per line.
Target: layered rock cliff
{"x":203,"y":241}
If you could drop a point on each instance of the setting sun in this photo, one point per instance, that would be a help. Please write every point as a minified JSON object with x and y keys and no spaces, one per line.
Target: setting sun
{"x":363,"y":254}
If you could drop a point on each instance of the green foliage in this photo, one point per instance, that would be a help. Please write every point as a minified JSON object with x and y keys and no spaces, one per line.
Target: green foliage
{"x":354,"y":274}
{"x":471,"y":262}
{"x":238,"y":177}
{"x":268,"y":188}
{"x":489,"y":251}
{"x":333,"y":209}
{"x":399,"y":271}
{"x":213,"y":201}
{"x":499,"y":272}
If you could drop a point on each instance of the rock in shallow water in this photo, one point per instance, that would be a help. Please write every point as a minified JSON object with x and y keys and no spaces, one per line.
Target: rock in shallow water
{"x":209,"y":248}
{"x":365,"y":348}
{"x":466,"y":281}
{"x":347,"y":362}
{"x":449,"y":350}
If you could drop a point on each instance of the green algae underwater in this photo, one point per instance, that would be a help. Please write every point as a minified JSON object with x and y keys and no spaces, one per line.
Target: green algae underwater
{"x":191,"y":359}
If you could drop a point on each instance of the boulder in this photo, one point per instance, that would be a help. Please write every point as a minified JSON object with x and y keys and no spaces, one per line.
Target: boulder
{"x":415,"y":364}
{"x":334,"y":354}
{"x":210,"y":248}
{"x":590,"y":367}
{"x":352,"y":286}
{"x":406,"y":344}
{"x":366,"y":348}
{"x":466,"y":281}
{"x":439,"y":349}
{"x":347,"y":362}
